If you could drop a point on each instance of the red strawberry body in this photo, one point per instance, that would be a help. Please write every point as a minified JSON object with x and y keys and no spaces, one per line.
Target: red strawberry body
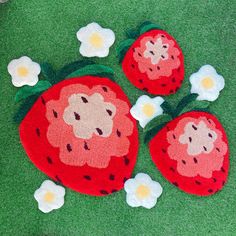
{"x":80,"y":133}
{"x":155,"y":63}
{"x":192,"y":153}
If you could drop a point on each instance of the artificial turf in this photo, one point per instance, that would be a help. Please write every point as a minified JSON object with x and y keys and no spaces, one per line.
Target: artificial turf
{"x":46,"y":31}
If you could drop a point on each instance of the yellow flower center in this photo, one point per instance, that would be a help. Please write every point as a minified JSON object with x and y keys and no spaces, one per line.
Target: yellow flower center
{"x":49,"y":197}
{"x":207,"y":83}
{"x":96,"y":40}
{"x":143,"y":191}
{"x":148,"y":110}
{"x":22,"y":71}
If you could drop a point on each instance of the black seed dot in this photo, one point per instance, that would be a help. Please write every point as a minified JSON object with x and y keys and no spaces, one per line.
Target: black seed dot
{"x":176,"y":184}
{"x":111,"y":177}
{"x":198,"y":182}
{"x":152,"y":53}
{"x":205,"y":148}
{"x":174,"y":136}
{"x":77,"y":116}
{"x":195,"y":160}
{"x":150,"y":69}
{"x":58,"y":179}
{"x":172,"y":57}
{"x":38,"y":132}
{"x":104,"y":89}
{"x":118,"y":133}
{"x":164,"y":46}
{"x":194,"y":127}
{"x":126,"y":160}
{"x":139,"y":54}
{"x":140,"y":81}
{"x":163,"y":150}
{"x":132,"y":65}
{"x":69,"y":148}
{"x":218,"y":149}
{"x":163,"y":85}
{"x":55,"y":113}
{"x":223,"y":183}
{"x":86,"y":146}
{"x":184,"y":162}
{"x":109,"y":112}
{"x":114,"y":190}
{"x":210,"y":135}
{"x":190,"y":139}
{"x":163,"y":57}
{"x":163,"y":36}
{"x":152,"y":42}
{"x":145,"y":89}
{"x":124,"y":180}
{"x":209,"y":121}
{"x":87,"y":177}
{"x":214,"y":179}
{"x":210,"y":190}
{"x":103,"y":192}
{"x":172,"y":169}
{"x":42,"y":100}
{"x":222,"y":169}
{"x":84,"y":100}
{"x":99,"y":131}
{"x":158,"y":68}
{"x":173,"y":80}
{"x":49,"y":159}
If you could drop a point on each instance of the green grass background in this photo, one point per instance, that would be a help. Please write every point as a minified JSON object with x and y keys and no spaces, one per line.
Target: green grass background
{"x":46,"y":31}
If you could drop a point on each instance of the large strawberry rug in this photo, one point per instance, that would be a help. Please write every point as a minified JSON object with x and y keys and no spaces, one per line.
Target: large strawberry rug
{"x":105,"y":122}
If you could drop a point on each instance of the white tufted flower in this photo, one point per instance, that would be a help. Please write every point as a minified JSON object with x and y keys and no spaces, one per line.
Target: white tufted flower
{"x":24,"y":71}
{"x":142,"y":191}
{"x":207,"y":83}
{"x":146,"y":108}
{"x":49,"y":196}
{"x":95,"y":40}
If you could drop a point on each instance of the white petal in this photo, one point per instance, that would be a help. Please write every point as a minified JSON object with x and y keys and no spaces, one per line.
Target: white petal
{"x":130,"y":185}
{"x":158,"y":100}
{"x":156,"y":189}
{"x":143,"y":178}
{"x":208,"y":96}
{"x":132,"y":200}
{"x":206,"y":69}
{"x":45,"y":208}
{"x":84,"y":33}
{"x":149,"y":202}
{"x":35,"y":68}
{"x":144,"y":121}
{"x":109,"y":37}
{"x":38,"y":195}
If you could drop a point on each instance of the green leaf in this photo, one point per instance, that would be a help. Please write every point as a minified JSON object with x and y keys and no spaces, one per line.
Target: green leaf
{"x":167,"y":108}
{"x":184,"y":102}
{"x":97,"y":70}
{"x":28,"y":91}
{"x":152,"y":133}
{"x":196,"y":106}
{"x":24,"y":108}
{"x":132,"y":34}
{"x":70,"y":68}
{"x":123,"y":48}
{"x":148,"y":26}
{"x":157,"y":121}
{"x":48,"y":72}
